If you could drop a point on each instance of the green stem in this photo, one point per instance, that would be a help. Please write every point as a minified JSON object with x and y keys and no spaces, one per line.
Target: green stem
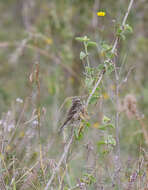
{"x":86,"y":51}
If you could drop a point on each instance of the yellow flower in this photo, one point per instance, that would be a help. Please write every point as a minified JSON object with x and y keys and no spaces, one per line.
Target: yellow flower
{"x":49,"y":41}
{"x":105,"y":96}
{"x":102,"y":54}
{"x":22,"y":134}
{"x":8,"y":148}
{"x":101,"y":13}
{"x":96,"y":125}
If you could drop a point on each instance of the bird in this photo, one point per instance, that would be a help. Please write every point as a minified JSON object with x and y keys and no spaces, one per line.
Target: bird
{"x":74,"y":113}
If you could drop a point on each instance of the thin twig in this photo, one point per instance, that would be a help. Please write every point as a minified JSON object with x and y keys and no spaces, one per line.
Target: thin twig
{"x":19,"y":120}
{"x":127,"y":76}
{"x":116,"y":73}
{"x":127,"y":13}
{"x":123,"y":23}
{"x":27,"y":172}
{"x":38,"y":107}
{"x":62,"y":179}
{"x":95,"y":87}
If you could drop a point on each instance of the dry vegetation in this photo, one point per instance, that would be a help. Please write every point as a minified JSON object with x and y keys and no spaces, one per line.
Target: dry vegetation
{"x":87,"y":57}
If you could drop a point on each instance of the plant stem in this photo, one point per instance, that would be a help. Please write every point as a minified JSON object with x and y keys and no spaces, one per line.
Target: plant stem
{"x":86,"y":51}
{"x":95,"y":87}
{"x":68,"y":145}
{"x":118,"y":159}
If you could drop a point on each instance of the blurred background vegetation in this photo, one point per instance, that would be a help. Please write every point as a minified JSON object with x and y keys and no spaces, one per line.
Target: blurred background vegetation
{"x":43,"y":32}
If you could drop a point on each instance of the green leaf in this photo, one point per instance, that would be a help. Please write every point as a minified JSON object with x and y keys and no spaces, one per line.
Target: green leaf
{"x":78,"y":135}
{"x":102,"y":142}
{"x":89,"y":70}
{"x":90,"y":43}
{"x":119,"y":31}
{"x":105,"y":151}
{"x":82,"y":55}
{"x":106,"y":50}
{"x":110,"y":140}
{"x":109,"y":54}
{"x":89,"y":178}
{"x":122,"y":36}
{"x":101,"y":67}
{"x":110,"y":126}
{"x":66,"y":188}
{"x":82,"y":39}
{"x":102,"y":127}
{"x":87,"y":124}
{"x":93,"y":99}
{"x":14,"y":186}
{"x":106,"y":119}
{"x":106,"y":47}
{"x":89,"y":82}
{"x":128,"y":28}
{"x":109,"y":68}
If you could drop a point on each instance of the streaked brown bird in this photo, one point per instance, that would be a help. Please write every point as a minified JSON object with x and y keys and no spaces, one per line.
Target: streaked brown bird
{"x":74,"y":113}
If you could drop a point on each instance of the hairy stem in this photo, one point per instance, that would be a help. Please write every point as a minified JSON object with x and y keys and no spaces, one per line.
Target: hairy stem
{"x":95,"y":87}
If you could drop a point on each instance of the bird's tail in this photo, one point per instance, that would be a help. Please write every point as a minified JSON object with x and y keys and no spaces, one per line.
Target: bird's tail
{"x":62,"y":127}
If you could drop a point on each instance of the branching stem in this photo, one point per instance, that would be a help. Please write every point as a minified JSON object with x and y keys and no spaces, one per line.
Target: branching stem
{"x":68,"y":145}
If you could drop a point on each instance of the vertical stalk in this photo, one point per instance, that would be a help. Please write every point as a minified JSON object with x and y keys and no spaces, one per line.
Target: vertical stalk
{"x":117,"y":119}
{"x":39,"y":116}
{"x":86,"y":51}
{"x":117,"y":159}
